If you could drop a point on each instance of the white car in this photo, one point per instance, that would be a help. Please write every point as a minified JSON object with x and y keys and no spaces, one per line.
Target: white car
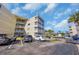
{"x":39,"y":38}
{"x":68,"y":37}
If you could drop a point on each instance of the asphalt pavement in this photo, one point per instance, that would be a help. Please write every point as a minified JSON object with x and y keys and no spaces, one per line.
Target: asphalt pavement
{"x":40,"y":48}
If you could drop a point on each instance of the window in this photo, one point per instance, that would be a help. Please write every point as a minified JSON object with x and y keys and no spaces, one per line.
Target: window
{"x":36,"y":18}
{"x":29,"y":24}
{"x":36,"y":23}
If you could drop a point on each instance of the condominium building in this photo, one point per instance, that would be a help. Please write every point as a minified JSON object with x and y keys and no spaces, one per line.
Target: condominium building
{"x":7,"y":22}
{"x":35,"y":26}
{"x":77,"y":28}
{"x":20,"y":24}
{"x":73,"y":29}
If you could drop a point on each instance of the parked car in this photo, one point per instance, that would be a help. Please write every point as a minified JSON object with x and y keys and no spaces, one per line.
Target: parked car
{"x":75,"y":37}
{"x":66,"y":37}
{"x":1,"y":40}
{"x":72,"y":41}
{"x":5,"y":41}
{"x":40,"y":38}
{"x":28,"y":38}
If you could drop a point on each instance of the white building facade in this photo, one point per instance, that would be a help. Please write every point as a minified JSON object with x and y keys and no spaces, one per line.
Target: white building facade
{"x":35,"y":26}
{"x":73,"y":29}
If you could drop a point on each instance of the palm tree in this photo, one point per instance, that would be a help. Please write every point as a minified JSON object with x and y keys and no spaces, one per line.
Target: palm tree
{"x":77,"y":17}
{"x":74,"y":18}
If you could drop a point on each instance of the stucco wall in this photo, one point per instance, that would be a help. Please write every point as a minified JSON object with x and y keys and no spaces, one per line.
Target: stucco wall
{"x":7,"y":22}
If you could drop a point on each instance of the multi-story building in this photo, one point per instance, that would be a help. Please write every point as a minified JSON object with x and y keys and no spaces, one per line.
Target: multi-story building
{"x":35,"y":26}
{"x":73,"y":29}
{"x":77,"y":28}
{"x":20,"y":24}
{"x":7,"y":22}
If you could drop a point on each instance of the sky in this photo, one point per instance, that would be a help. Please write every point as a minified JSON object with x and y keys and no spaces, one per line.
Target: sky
{"x":55,"y":15}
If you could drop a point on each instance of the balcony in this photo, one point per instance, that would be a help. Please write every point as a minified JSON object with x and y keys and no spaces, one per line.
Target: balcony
{"x":19,"y":31}
{"x":39,"y":30}
{"x":19,"y":26}
{"x":39,"y":26}
{"x":21,"y":20}
{"x":39,"y":22}
{"x":38,"y":34}
{"x":21,"y":23}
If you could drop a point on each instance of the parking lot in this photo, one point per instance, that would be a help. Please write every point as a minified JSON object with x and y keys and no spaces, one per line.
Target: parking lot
{"x":38,"y":48}
{"x":27,"y":48}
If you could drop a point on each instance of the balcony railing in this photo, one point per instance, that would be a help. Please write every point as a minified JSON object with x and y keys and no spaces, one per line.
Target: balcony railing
{"x":19,"y":31}
{"x":19,"y":26}
{"x":20,"y":23}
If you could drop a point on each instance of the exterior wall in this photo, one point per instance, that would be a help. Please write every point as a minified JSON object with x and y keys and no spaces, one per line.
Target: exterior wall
{"x":20,"y":24}
{"x":7,"y":22}
{"x":32,"y":26}
{"x":77,"y":28}
{"x":73,"y":29}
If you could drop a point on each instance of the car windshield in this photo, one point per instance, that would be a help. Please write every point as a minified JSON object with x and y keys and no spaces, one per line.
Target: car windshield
{"x":29,"y":36}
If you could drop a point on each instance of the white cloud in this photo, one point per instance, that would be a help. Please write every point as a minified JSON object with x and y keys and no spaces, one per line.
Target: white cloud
{"x":31,"y":6}
{"x":16,"y":10}
{"x":50,"y":7}
{"x":62,"y":24}
{"x":77,"y":10}
{"x":47,"y":28}
{"x":69,"y":10}
{"x":58,"y":15}
{"x":51,"y":23}
{"x":65,"y":12}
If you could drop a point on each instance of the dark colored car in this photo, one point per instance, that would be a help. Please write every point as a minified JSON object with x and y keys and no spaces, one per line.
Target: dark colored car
{"x":1,"y":40}
{"x":75,"y":37}
{"x":28,"y":38}
{"x":5,"y":41}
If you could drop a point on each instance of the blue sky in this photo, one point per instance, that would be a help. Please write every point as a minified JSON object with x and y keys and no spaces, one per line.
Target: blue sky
{"x":55,"y":15}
